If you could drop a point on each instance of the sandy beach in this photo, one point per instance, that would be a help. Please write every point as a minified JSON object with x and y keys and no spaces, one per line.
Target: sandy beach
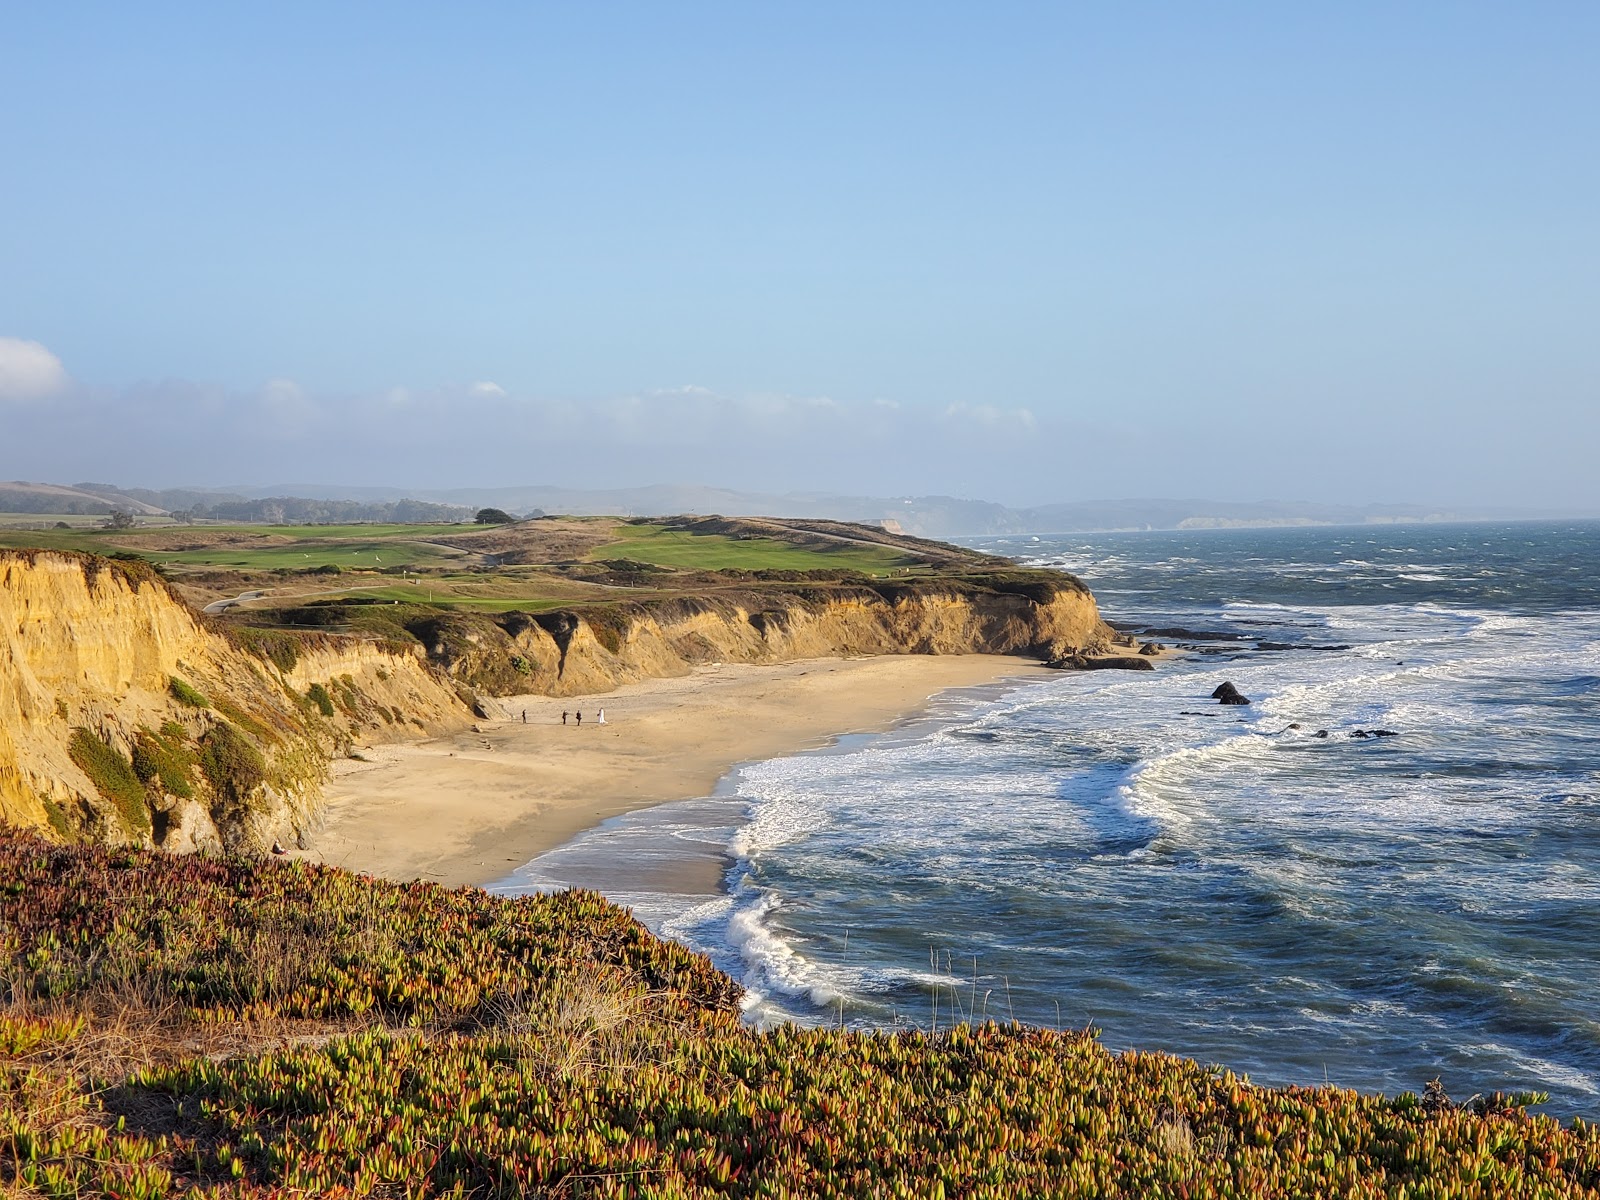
{"x":470,"y":808}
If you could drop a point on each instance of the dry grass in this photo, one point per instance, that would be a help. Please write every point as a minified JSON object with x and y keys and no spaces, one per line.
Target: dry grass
{"x":1172,"y":1135}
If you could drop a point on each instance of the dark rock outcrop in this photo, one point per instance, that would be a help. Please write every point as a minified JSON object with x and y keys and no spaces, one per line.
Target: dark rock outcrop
{"x":1226,"y":693}
{"x":1083,"y":662}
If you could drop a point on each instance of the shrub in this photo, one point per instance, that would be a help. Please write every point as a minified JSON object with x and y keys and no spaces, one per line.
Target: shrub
{"x":347,"y":696}
{"x":245,"y":721}
{"x":57,"y":817}
{"x":165,"y":758}
{"x":493,"y":516}
{"x":184,"y":694}
{"x":113,"y":777}
{"x":233,"y":766}
{"x":280,"y":649}
{"x":318,"y":695}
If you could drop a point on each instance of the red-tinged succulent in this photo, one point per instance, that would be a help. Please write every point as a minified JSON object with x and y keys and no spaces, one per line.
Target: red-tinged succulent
{"x":552,"y":1046}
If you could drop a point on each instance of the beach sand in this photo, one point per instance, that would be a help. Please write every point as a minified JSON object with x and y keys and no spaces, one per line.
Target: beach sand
{"x":471,"y":808}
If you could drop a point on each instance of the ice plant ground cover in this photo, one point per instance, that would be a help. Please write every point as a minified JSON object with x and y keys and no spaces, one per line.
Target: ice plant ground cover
{"x":188,"y":1026}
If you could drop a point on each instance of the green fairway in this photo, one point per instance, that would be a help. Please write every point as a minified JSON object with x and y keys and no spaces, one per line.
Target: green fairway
{"x":662,"y":546}
{"x":352,"y":547}
{"x":462,"y":575}
{"x":440,"y":595}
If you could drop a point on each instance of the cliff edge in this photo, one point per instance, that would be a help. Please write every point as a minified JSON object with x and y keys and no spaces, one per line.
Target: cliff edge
{"x":125,"y":718}
{"x":591,"y":648}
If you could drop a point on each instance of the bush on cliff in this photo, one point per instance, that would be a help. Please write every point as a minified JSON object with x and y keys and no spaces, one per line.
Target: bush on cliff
{"x":166,"y":759}
{"x":184,"y":694}
{"x":232,"y":766}
{"x":318,"y":695}
{"x":113,"y":777}
{"x":280,"y":649}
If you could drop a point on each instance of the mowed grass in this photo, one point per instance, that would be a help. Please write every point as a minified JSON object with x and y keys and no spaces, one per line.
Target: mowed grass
{"x":662,"y":546}
{"x":377,"y":547}
{"x":352,"y":547}
{"x":443,"y":595}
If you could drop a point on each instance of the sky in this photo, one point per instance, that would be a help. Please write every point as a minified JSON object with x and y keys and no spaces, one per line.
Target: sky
{"x":1019,"y":252}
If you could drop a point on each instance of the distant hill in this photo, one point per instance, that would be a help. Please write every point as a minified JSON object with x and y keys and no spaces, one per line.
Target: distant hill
{"x":100,"y":499}
{"x":19,"y":496}
{"x":923,"y":516}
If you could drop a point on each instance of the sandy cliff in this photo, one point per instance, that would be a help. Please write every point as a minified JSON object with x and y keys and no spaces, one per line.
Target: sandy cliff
{"x":124,"y":718}
{"x":571,"y":653}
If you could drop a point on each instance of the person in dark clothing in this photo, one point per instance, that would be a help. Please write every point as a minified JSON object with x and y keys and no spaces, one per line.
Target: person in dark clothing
{"x":524,"y":716}
{"x":580,"y":719}
{"x":563,"y":718}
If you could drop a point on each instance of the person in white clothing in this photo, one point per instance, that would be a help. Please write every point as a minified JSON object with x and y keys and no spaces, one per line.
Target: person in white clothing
{"x":600,"y":717}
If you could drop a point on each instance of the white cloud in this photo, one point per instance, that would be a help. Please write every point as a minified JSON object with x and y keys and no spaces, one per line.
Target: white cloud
{"x":28,"y":371}
{"x":285,"y":410}
{"x":486,"y":387}
{"x":989,"y":416}
{"x":282,"y":392}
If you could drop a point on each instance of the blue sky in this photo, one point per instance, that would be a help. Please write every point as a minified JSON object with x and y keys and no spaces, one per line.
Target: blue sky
{"x":1024,"y":252}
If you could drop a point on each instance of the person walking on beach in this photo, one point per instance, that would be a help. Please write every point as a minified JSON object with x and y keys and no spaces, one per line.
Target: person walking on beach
{"x":563,"y":718}
{"x":600,"y":718}
{"x":524,"y":716}
{"x":580,"y":720}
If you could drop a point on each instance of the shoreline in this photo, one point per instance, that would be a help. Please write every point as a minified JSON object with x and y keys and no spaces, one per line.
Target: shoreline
{"x":470,"y":808}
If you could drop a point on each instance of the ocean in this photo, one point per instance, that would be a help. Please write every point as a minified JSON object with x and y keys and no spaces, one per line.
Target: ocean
{"x":1114,"y":849}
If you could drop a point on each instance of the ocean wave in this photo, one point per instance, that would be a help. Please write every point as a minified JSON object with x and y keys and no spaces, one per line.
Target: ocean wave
{"x":1542,"y":1070}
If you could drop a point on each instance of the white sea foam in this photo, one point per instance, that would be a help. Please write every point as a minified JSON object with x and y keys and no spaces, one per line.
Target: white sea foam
{"x":1544,"y":1070}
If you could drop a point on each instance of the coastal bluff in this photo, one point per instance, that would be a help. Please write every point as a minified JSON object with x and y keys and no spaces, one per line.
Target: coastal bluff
{"x":581,"y":651}
{"x":126,"y":717}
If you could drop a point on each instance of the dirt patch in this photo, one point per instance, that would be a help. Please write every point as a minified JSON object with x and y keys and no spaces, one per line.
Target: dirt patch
{"x":547,"y":540}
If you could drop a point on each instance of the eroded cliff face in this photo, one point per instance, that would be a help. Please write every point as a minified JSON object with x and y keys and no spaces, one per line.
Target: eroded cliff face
{"x":124,"y":718}
{"x":574,"y":653}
